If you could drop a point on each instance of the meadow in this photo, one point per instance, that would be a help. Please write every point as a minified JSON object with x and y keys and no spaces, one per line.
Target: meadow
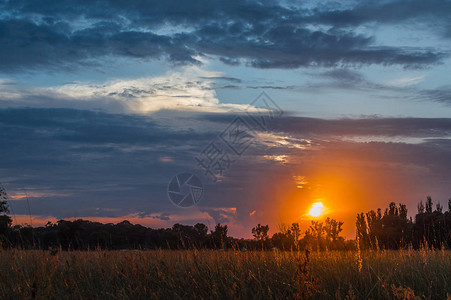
{"x":213,"y":274}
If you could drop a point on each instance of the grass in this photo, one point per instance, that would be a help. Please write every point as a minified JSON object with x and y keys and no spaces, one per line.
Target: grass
{"x":209,"y":274}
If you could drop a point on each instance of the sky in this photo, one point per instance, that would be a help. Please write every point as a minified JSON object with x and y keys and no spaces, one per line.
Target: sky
{"x":103,"y":102}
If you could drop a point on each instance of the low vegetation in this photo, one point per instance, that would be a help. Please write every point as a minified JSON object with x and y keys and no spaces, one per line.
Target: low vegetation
{"x":214,"y":274}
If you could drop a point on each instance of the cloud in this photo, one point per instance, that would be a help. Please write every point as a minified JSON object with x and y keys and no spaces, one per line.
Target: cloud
{"x":188,"y":90}
{"x":271,"y":87}
{"x":42,"y":34}
{"x":345,"y":78}
{"x":221,"y":215}
{"x":223,"y":78}
{"x":441,"y":94}
{"x":295,"y":131}
{"x":389,"y":127}
{"x":406,"y":81}
{"x":344,"y":75}
{"x":27,"y":44}
{"x":404,"y":88}
{"x":384,"y":12}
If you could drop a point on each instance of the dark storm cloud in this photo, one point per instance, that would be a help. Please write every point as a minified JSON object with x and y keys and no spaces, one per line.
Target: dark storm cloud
{"x":350,"y":79}
{"x":223,"y":78}
{"x":91,"y":127}
{"x":257,"y":34}
{"x":377,"y":126}
{"x":345,"y":75}
{"x":342,"y":78}
{"x":441,"y":94}
{"x":271,"y":87}
{"x":409,"y":127}
{"x":27,"y":44}
{"x":384,"y":12}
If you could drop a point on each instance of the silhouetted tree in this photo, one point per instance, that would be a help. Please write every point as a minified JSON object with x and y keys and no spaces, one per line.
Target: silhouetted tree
{"x":439,"y":208}
{"x":315,"y":235}
{"x":201,"y":230}
{"x":432,"y":228}
{"x":260,"y":232}
{"x":420,"y":207}
{"x":394,"y":230}
{"x":5,"y":220}
{"x":361,"y":230}
{"x":375,"y":227}
{"x":219,"y":235}
{"x":333,"y":228}
{"x":285,"y":239}
{"x":428,"y":204}
{"x":296,"y":233}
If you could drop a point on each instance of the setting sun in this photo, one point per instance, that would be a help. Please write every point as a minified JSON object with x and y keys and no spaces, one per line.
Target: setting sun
{"x":317,"y":209}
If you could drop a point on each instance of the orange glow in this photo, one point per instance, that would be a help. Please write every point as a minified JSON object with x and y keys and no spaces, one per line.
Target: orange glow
{"x":317,"y":209}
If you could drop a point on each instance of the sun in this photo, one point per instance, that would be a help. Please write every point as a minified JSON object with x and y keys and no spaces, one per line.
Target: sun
{"x":317,"y":209}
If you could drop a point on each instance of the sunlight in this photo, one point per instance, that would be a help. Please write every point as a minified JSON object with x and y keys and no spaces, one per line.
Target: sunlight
{"x":317,"y":209}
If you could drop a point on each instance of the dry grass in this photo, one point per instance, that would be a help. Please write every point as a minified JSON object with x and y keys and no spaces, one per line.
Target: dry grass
{"x":212,"y":274}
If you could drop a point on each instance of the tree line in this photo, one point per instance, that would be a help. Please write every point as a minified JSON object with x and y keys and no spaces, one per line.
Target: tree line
{"x":83,"y":234}
{"x":431,"y":227}
{"x":389,"y":230}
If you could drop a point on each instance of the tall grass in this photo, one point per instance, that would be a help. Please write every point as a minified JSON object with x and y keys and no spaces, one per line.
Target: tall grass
{"x":213,"y":274}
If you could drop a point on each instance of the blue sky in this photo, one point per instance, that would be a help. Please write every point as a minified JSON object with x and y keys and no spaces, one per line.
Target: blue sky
{"x":102,"y":102}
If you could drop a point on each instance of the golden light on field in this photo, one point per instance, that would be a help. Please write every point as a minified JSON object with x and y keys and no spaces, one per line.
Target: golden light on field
{"x":317,"y":209}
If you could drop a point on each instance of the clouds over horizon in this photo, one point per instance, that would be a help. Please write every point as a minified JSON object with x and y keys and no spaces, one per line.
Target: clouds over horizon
{"x":67,"y":34}
{"x":75,"y":163}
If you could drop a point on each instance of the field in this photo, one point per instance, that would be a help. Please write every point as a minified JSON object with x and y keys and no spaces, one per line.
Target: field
{"x":209,"y":274}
